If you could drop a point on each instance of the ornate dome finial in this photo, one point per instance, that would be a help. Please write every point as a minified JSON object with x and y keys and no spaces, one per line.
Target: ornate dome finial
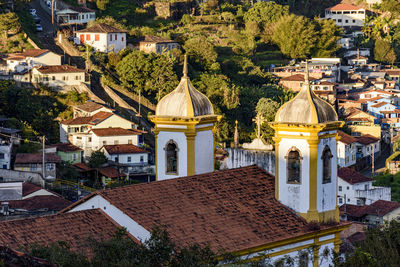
{"x":185,"y":68}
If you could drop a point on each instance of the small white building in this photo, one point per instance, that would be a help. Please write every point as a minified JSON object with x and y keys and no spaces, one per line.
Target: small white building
{"x":19,"y":62}
{"x":357,"y":189}
{"x":346,"y":150}
{"x":75,"y":15}
{"x":155,"y":44}
{"x":89,"y":109}
{"x":102,"y":38}
{"x":58,"y":76}
{"x":346,"y":15}
{"x":126,"y":154}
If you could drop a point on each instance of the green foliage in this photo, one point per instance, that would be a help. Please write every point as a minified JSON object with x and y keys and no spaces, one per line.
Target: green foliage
{"x":9,"y":22}
{"x":392,"y":181}
{"x":97,"y":159}
{"x":392,"y":6}
{"x":328,"y":36}
{"x":295,"y":35}
{"x":67,"y":172}
{"x":309,"y":8}
{"x":186,"y":19}
{"x":267,"y":108}
{"x":201,"y":51}
{"x":266,"y":13}
{"x":383,"y":52}
{"x":381,"y":248}
{"x":102,"y":4}
{"x":150,"y":74}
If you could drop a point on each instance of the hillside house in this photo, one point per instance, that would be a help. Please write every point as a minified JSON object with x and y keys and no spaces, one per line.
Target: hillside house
{"x":346,"y":150}
{"x":346,"y":15}
{"x":8,"y":138}
{"x":34,"y":162}
{"x":357,"y":189}
{"x":325,"y":90}
{"x":80,"y":126}
{"x":126,"y":154}
{"x":75,"y":15}
{"x":58,"y":76}
{"x":20,"y":62}
{"x":294,"y":82}
{"x":102,"y":38}
{"x":67,"y":152}
{"x":357,"y":60}
{"x":89,"y":109}
{"x":155,"y":44}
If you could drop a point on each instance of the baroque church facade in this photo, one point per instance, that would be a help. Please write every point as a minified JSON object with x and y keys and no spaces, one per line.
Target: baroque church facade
{"x":245,"y":211}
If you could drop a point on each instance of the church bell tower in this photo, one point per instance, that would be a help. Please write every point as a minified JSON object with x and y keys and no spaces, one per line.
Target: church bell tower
{"x":306,"y":134}
{"x":184,"y":130}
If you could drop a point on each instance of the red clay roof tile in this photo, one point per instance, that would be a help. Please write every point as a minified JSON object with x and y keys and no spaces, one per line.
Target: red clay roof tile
{"x":52,"y":203}
{"x":123,"y":149}
{"x":93,"y":120}
{"x":117,"y":131}
{"x":23,"y":158}
{"x":352,"y":177}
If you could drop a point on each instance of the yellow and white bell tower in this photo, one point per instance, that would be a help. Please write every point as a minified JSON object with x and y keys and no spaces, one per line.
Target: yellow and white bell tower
{"x":306,"y":134}
{"x":184,"y":130}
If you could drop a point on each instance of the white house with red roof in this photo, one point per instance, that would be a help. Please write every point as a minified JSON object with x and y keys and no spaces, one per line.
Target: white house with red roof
{"x":346,"y":15}
{"x":102,"y":37}
{"x":357,"y":189}
{"x":19,"y":62}
{"x":75,"y":15}
{"x":346,"y":150}
{"x":126,"y":154}
{"x":59,"y":76}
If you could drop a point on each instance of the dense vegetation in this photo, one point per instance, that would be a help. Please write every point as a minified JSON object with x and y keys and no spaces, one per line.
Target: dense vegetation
{"x":392,"y":181}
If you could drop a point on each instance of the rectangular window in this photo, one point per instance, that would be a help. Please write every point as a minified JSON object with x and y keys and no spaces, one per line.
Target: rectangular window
{"x":340,"y":200}
{"x":339,"y":20}
{"x":90,"y":139}
{"x":130,"y":141}
{"x":348,"y":189}
{"x":97,"y":37}
{"x":141,"y":158}
{"x":340,"y":188}
{"x":33,"y":167}
{"x":358,"y":202}
{"x":116,"y":159}
{"x":110,"y":37}
{"x":347,"y":21}
{"x":115,"y":37}
{"x":354,"y":21}
{"x":122,"y":38}
{"x":53,"y":78}
{"x":74,"y":156}
{"x":1,"y":155}
{"x":49,"y":166}
{"x":88,"y":37}
{"x":129,"y":159}
{"x":104,"y":143}
{"x":346,"y":12}
{"x":116,"y":142}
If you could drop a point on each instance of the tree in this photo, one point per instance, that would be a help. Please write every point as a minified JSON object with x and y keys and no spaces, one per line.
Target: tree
{"x":9,"y":22}
{"x":384,"y":52}
{"x":328,"y":37}
{"x":201,"y":51}
{"x":97,"y":159}
{"x":267,"y":109}
{"x":390,"y":5}
{"x":295,"y":36}
{"x":102,"y":4}
{"x":266,"y":13}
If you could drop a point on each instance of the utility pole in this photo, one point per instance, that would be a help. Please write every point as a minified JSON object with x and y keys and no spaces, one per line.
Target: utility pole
{"x":53,"y":3}
{"x":43,"y":159}
{"x":373,"y":159}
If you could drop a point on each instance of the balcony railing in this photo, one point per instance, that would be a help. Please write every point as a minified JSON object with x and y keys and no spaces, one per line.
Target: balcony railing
{"x":375,"y":193}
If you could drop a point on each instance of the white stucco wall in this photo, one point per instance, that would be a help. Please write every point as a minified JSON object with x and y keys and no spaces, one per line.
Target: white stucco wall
{"x":326,"y":193}
{"x":296,"y":196}
{"x":352,"y":18}
{"x":123,"y":158}
{"x":98,"y":202}
{"x":346,"y":152}
{"x":204,"y":152}
{"x":41,"y":192}
{"x":162,"y":139}
{"x":58,"y":79}
{"x":105,"y":43}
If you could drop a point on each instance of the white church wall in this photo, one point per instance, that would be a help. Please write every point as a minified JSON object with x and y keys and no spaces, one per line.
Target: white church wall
{"x":296,"y":196}
{"x":204,"y":152}
{"x":326,"y":261}
{"x":98,"y":202}
{"x":162,"y":139}
{"x":238,"y":157}
{"x":326,"y":193}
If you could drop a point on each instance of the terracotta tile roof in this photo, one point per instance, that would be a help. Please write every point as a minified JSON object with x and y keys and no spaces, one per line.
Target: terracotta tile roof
{"x":395,"y":111}
{"x":367,"y":139}
{"x":352,"y":210}
{"x":81,"y":9}
{"x":52,"y":203}
{"x":123,"y":149}
{"x":378,"y":105}
{"x":102,"y":28}
{"x":74,"y":228}
{"x":381,"y":207}
{"x":345,"y":138}
{"x":117,"y":131}
{"x":377,"y":91}
{"x":375,"y":98}
{"x":297,"y":77}
{"x":58,"y":69}
{"x":66,"y":147}
{"x":82,"y":166}
{"x":357,"y":119}
{"x":343,"y":7}
{"x":324,"y":83}
{"x":352,"y":177}
{"x":111,"y":172}
{"x":28,"y":53}
{"x":90,"y":106}
{"x":392,"y":71}
{"x":29,"y":188}
{"x":24,"y":158}
{"x":13,"y":258}
{"x":93,"y":120}
{"x":230,"y":210}
{"x":154,"y":39}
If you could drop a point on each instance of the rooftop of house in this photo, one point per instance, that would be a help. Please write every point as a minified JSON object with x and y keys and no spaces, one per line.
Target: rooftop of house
{"x":153,"y":39}
{"x":115,"y":131}
{"x":367,"y":139}
{"x":394,"y":72}
{"x":379,"y":208}
{"x":345,"y":7}
{"x":352,"y":177}
{"x":49,"y":202}
{"x":110,"y":172}
{"x":230,"y":210}
{"x":29,"y":188}
{"x":28,"y":53}
{"x":90,"y":106}
{"x":380,"y":104}
{"x":377,"y":91}
{"x":66,"y":147}
{"x":297,"y":78}
{"x":395,"y":111}
{"x":92,"y":120}
{"x":82,"y":167}
{"x":58,"y":69}
{"x":81,"y":9}
{"x":74,"y":228}
{"x":26,"y":158}
{"x":102,"y":28}
{"x":11,"y":257}
{"x":345,"y":138}
{"x":123,"y":149}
